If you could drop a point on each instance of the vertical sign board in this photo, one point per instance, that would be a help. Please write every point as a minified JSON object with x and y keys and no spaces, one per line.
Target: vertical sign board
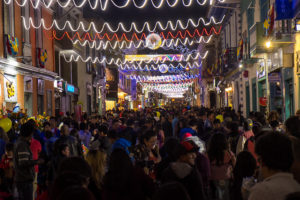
{"x":133,"y":89}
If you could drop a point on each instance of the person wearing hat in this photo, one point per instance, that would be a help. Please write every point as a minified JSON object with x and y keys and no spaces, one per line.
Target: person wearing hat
{"x":183,"y":170}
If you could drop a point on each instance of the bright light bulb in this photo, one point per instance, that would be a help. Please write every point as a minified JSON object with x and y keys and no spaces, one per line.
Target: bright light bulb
{"x":268,"y":44}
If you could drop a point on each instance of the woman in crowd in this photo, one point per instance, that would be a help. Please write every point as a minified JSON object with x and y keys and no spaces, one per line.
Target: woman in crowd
{"x":97,"y":161}
{"x":222,"y":161}
{"x":146,"y":154}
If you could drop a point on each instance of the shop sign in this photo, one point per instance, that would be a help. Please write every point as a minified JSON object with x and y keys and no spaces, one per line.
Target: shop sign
{"x":70,"y":88}
{"x":28,"y":84}
{"x":274,"y":77}
{"x":10,"y":88}
{"x":58,"y":85}
{"x":298,"y":61}
{"x":261,"y":72}
{"x":41,"y":86}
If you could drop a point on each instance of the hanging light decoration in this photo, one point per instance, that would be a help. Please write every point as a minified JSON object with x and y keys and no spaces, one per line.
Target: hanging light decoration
{"x":103,"y":4}
{"x":179,"y":24}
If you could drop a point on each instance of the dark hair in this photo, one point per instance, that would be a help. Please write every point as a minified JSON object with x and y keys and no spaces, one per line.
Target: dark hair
{"x":275,"y":151}
{"x":74,"y":132}
{"x":27,"y":130}
{"x":148,"y":135}
{"x":217,"y":146}
{"x":172,"y":190}
{"x":119,"y":172}
{"x":62,"y":147}
{"x":112,"y":134}
{"x":193,"y":122}
{"x":76,"y":193}
{"x":103,"y":129}
{"x":130,"y":122}
{"x":82,"y":126}
{"x":245,"y":167}
{"x":67,"y":179}
{"x":46,"y":124}
{"x":75,"y":164}
{"x":169,"y":147}
{"x":32,"y":123}
{"x":48,"y":134}
{"x":217,"y":121}
{"x":293,"y":196}
{"x":9,"y":147}
{"x":209,"y":113}
{"x":292,"y":125}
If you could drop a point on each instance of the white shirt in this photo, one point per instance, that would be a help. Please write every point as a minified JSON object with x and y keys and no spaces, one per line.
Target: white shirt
{"x":275,"y":187}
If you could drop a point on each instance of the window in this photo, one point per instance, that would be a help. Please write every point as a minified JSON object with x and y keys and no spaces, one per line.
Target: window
{"x":40,"y":101}
{"x":250,"y":15}
{"x":26,"y":14}
{"x":264,"y":9}
{"x":9,"y":18}
{"x":39,"y":31}
{"x":49,"y":103}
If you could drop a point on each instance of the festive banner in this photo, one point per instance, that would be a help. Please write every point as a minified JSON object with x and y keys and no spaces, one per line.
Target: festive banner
{"x":10,"y":88}
{"x":240,"y":50}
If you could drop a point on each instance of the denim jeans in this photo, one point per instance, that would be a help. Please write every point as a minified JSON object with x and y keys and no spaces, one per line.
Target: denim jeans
{"x":25,"y":190}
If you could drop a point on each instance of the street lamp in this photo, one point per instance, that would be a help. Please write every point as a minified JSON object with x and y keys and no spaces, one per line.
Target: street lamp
{"x":268,"y":44}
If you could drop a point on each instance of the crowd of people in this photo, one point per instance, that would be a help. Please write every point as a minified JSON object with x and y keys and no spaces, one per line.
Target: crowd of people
{"x":154,"y":154}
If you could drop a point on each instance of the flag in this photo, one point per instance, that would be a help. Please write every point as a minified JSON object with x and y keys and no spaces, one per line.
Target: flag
{"x":240,"y":50}
{"x":269,"y":22}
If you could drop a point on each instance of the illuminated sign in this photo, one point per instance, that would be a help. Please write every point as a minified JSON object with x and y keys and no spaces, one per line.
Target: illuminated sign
{"x":297,"y":27}
{"x":70,"y":88}
{"x":157,"y":57}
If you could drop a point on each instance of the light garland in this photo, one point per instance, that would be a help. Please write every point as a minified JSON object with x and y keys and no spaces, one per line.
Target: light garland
{"x":104,"y":3}
{"x":168,"y":78}
{"x":155,"y":67}
{"x":135,"y":37}
{"x":164,"y":57}
{"x":141,"y":44}
{"x":118,"y":61}
{"x":121,"y":27}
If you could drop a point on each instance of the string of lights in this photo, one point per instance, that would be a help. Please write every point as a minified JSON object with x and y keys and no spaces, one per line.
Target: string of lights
{"x":141,"y":44}
{"x":119,"y":61}
{"x":134,"y":37}
{"x":103,"y":4}
{"x":139,"y":67}
{"x":167,"y":78}
{"x":179,"y":24}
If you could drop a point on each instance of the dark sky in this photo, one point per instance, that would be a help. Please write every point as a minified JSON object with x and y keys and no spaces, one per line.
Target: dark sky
{"x":149,"y":13}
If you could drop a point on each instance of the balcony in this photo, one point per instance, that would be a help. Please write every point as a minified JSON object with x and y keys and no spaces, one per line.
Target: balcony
{"x":229,"y":61}
{"x":257,"y":40}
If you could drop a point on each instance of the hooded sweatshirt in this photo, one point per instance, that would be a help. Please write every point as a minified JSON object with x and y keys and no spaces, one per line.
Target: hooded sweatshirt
{"x":188,"y":176}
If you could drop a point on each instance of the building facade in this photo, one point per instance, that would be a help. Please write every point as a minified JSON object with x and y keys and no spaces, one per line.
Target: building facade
{"x":27,"y":60}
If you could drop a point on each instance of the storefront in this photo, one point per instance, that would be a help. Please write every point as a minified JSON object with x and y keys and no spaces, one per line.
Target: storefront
{"x":262,"y":87}
{"x":228,"y":97}
{"x":289,"y":92}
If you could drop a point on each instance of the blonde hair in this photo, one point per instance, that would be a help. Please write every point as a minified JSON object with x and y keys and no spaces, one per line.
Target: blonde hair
{"x":97,"y":161}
